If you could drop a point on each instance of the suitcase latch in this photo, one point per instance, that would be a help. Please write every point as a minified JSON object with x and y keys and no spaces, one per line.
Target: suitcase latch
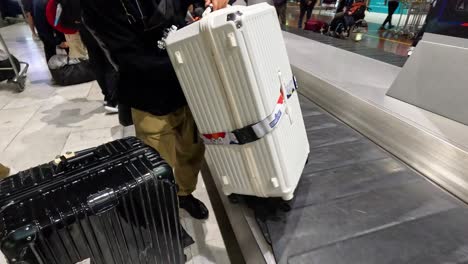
{"x":178,"y":57}
{"x":232,"y":39}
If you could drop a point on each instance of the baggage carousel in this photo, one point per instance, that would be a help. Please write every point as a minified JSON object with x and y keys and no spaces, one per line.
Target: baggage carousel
{"x":356,"y":203}
{"x":351,"y":46}
{"x":359,"y":200}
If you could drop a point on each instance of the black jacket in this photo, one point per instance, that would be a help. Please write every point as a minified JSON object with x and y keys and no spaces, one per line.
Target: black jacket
{"x":46,"y":32}
{"x":147,"y":80}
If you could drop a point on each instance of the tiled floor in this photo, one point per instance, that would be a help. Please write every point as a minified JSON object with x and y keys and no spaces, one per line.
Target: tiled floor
{"x":209,"y":246}
{"x":46,"y":120}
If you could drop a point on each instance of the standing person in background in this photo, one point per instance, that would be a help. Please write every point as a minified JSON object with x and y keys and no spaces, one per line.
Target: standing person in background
{"x":84,"y":46}
{"x":306,"y":7}
{"x":104,"y":68}
{"x":392,"y":7}
{"x":281,"y":6}
{"x":68,"y":24}
{"x":27,"y":6}
{"x":49,"y":37}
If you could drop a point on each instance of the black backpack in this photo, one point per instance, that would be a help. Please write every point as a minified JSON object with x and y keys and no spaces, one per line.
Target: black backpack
{"x":68,"y":72}
{"x":71,"y":13}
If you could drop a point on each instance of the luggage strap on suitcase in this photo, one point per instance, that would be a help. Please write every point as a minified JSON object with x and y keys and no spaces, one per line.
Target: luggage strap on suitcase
{"x":254,"y":132}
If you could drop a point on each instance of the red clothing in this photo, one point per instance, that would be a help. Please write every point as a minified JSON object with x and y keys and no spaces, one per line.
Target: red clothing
{"x":354,"y":7}
{"x":51,"y":9}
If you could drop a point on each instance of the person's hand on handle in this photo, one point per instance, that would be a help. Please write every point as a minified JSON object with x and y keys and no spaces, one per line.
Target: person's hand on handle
{"x":217,"y":4}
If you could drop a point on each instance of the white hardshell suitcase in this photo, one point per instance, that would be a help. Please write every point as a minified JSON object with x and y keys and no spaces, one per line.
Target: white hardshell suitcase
{"x":234,"y":71}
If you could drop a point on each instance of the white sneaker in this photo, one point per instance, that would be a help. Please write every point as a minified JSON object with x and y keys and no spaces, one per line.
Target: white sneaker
{"x":111,"y":109}
{"x":410,"y":51}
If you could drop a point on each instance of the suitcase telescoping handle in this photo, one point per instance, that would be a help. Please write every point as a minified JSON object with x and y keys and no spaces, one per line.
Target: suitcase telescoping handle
{"x":103,"y":201}
{"x":208,"y":10}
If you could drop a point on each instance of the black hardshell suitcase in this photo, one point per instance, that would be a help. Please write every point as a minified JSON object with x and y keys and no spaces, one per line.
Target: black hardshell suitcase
{"x":113,"y":204}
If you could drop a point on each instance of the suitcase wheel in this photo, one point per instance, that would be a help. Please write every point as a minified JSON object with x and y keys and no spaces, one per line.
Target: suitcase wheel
{"x":234,"y":198}
{"x":285,"y":206}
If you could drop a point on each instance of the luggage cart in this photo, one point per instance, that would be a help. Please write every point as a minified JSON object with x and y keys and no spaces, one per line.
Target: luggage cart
{"x":416,"y":12}
{"x":20,"y":73}
{"x":415,"y":17}
{"x":404,"y":5}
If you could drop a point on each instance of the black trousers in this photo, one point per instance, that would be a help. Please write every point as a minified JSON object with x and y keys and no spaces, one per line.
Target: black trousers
{"x":50,"y":48}
{"x":281,"y":11}
{"x":305,"y":10}
{"x":50,"y":38}
{"x":106,"y":75}
{"x":392,"y":7}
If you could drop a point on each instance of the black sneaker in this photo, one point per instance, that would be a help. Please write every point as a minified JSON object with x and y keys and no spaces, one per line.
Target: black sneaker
{"x":194,"y":207}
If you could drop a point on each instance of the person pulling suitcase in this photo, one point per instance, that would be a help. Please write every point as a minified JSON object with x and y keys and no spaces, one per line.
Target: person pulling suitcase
{"x":306,"y":8}
{"x":148,"y":83}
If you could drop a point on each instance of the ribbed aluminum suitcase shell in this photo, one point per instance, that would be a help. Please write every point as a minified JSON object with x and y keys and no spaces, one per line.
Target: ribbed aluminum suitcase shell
{"x":231,"y":65}
{"x":113,"y":204}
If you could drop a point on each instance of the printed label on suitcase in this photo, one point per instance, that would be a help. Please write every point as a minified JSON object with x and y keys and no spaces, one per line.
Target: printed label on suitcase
{"x":86,"y":261}
{"x":221,"y":138}
{"x":258,"y":130}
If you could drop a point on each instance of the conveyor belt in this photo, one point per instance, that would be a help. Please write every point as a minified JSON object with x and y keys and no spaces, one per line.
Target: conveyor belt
{"x":356,"y":203}
{"x":355,"y":47}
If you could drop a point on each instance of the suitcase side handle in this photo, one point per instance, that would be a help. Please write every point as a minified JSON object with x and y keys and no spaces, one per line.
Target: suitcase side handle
{"x":102,"y":201}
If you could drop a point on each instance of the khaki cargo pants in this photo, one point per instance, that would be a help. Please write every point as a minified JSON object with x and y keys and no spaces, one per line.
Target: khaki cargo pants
{"x":77,"y":50}
{"x":175,"y":137}
{"x":4,"y":171}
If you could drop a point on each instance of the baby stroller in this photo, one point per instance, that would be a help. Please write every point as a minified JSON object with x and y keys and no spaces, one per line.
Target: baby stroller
{"x":350,"y":23}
